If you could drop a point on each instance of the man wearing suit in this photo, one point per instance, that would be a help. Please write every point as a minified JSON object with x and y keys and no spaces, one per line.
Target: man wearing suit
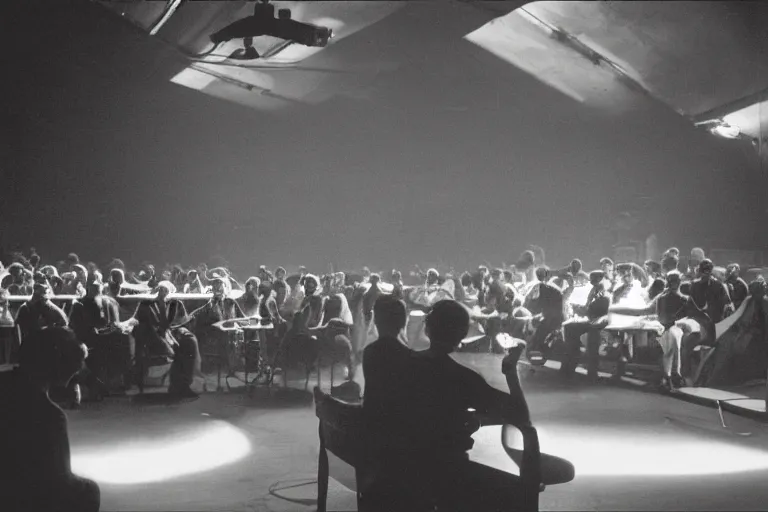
{"x":596,"y":311}
{"x":160,"y":332}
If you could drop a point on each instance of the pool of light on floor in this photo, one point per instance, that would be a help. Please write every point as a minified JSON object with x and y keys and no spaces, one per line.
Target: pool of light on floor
{"x":205,"y":447}
{"x":613,"y":452}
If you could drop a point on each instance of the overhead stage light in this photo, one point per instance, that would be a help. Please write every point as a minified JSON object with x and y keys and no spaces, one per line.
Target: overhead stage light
{"x":264,"y":23}
{"x":726,"y":130}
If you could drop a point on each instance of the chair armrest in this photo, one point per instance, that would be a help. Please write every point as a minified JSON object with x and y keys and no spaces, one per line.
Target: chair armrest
{"x":530,"y":467}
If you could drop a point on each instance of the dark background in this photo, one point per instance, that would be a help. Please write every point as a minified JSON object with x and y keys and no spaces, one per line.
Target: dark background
{"x":105,"y":157}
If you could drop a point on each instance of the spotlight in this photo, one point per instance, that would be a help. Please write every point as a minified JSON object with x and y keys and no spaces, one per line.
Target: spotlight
{"x":726,"y":130}
{"x":264,"y":23}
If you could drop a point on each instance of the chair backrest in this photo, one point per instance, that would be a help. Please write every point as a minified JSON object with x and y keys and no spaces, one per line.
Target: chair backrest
{"x":341,"y":427}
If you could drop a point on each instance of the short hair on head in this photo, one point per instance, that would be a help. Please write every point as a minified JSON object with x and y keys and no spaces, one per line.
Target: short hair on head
{"x":670,"y":263}
{"x":706,"y":266}
{"x":674,"y":275}
{"x":542,"y":273}
{"x":50,"y":352}
{"x":447,"y":322}
{"x":576,"y":265}
{"x":596,"y":276}
{"x":508,"y":275}
{"x":606,"y":261}
{"x":389,"y":313}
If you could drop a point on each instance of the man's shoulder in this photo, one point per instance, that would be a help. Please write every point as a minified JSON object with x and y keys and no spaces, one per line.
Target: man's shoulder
{"x":387,"y":345}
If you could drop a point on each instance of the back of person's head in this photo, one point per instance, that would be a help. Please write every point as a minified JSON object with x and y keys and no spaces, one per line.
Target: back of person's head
{"x":706,"y":267}
{"x":657,"y":286}
{"x":477,"y":279}
{"x":576,"y":266}
{"x":670,"y":263}
{"x":389,"y":315}
{"x":542,"y":273}
{"x":653,"y":266}
{"x":606,"y":261}
{"x":697,"y":254}
{"x":674,"y":278}
{"x":466,"y":279}
{"x":596,"y":277}
{"x":52,"y":355}
{"x":446,"y":325}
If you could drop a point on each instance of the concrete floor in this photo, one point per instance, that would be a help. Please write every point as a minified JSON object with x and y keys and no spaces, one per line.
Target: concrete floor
{"x":632,"y":450}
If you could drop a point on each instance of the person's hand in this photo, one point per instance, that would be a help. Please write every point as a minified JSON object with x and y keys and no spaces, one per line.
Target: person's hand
{"x":509,"y":363}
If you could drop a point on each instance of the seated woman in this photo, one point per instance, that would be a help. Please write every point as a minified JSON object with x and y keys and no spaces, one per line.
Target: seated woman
{"x":36,"y":465}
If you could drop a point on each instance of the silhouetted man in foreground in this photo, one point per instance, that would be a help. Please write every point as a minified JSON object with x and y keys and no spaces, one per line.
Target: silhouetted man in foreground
{"x":35,"y":462}
{"x":426,"y":439}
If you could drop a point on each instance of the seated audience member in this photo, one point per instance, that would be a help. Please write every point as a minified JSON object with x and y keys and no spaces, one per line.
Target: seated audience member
{"x":671,"y":306}
{"x":39,"y":312}
{"x":628,"y":290}
{"x":270,"y":314}
{"x":16,"y":284}
{"x":95,"y":319}
{"x":299,"y":345}
{"x":421,"y":403}
{"x":369,"y":299}
{"x":35,"y":462}
{"x":579,"y":276}
{"x":250,"y":300}
{"x":653,"y":269}
{"x":280,"y":287}
{"x":669,"y":263}
{"x":737,"y":287}
{"x":384,"y":359}
{"x":697,"y":256}
{"x":709,"y":294}
{"x":596,"y":313}
{"x":7,"y":339}
{"x":606,"y":265}
{"x":265,"y":275}
{"x":193,"y":284}
{"x":545,"y":302}
{"x":219,"y":308}
{"x":160,"y":331}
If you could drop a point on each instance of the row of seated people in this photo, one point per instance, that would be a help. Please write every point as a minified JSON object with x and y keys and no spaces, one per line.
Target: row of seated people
{"x":685,"y":319}
{"x":302,"y":314}
{"x":159,"y":328}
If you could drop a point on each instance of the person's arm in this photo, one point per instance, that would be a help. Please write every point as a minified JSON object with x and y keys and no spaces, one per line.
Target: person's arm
{"x":57,"y":317}
{"x":512,"y":407}
{"x":650,"y":309}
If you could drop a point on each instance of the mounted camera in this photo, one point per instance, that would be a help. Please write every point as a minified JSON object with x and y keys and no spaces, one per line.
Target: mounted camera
{"x":264,"y":23}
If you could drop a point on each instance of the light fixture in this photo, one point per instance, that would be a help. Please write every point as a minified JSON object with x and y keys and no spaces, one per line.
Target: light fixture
{"x":726,"y":130}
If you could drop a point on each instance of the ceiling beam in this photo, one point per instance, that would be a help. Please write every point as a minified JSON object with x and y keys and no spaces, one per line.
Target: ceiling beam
{"x":731,"y":107}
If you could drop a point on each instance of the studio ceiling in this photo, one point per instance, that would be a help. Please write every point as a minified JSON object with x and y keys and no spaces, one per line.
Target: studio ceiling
{"x":705,"y":60}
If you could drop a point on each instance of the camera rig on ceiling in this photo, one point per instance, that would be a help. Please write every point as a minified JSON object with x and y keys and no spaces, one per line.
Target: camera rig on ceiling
{"x":264,"y":23}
